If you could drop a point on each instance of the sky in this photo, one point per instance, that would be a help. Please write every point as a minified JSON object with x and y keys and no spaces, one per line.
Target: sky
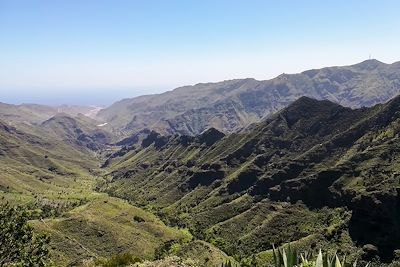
{"x":95,"y":52}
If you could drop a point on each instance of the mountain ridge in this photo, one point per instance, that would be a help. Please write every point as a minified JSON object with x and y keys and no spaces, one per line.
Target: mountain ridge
{"x":315,"y":158}
{"x":234,"y":104}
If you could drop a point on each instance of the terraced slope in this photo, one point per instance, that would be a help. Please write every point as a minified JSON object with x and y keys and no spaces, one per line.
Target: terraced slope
{"x":314,"y":173}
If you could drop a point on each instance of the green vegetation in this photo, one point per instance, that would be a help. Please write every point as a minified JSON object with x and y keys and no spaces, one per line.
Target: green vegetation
{"x":228,"y":264}
{"x":105,"y":227}
{"x":169,"y":262}
{"x":309,"y":175}
{"x":19,"y":245}
{"x":118,"y":260}
{"x":315,"y":175}
{"x":55,"y":179}
{"x":290,"y":258}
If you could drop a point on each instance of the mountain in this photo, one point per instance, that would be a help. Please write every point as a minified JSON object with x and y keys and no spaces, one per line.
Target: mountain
{"x":34,"y":114}
{"x":80,"y":131}
{"x":231,"y":105}
{"x":316,"y":174}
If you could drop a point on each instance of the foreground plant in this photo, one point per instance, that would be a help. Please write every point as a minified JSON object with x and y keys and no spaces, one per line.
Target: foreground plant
{"x":19,"y":245}
{"x":290,"y":258}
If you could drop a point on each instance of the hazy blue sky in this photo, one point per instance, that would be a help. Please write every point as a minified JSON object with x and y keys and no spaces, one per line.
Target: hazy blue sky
{"x":95,"y":52}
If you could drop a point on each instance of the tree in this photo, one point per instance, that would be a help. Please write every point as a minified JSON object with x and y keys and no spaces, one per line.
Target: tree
{"x":19,"y":245}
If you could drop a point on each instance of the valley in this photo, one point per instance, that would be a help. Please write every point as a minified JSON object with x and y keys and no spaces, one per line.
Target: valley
{"x":54,"y":170}
{"x":194,"y":173}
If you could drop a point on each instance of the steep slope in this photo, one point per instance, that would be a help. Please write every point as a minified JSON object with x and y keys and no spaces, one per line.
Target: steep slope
{"x":38,"y":167}
{"x":292,"y":177}
{"x":232,"y":105}
{"x":80,"y":131}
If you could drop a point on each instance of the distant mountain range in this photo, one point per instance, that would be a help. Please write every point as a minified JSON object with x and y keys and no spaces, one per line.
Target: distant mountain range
{"x":228,"y":106}
{"x":34,"y":113}
{"x":231,"y":105}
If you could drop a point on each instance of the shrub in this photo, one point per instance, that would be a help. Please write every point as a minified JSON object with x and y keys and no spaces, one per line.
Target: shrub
{"x":138,"y":219}
{"x":118,"y":260}
{"x":19,"y":245}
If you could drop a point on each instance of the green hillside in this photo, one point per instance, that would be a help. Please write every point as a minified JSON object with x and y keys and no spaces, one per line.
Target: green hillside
{"x":315,"y":173}
{"x":54,"y":172}
{"x":104,"y":227}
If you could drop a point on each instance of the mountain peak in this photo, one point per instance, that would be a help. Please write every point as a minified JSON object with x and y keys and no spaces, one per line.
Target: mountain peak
{"x":59,"y":117}
{"x":305,"y":108}
{"x":306,"y":102}
{"x":210,"y":136}
{"x":369,"y":64}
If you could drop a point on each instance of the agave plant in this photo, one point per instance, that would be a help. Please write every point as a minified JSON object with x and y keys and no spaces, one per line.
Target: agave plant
{"x":228,"y":264}
{"x":283,"y":258}
{"x":289,"y":258}
{"x":326,"y":261}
